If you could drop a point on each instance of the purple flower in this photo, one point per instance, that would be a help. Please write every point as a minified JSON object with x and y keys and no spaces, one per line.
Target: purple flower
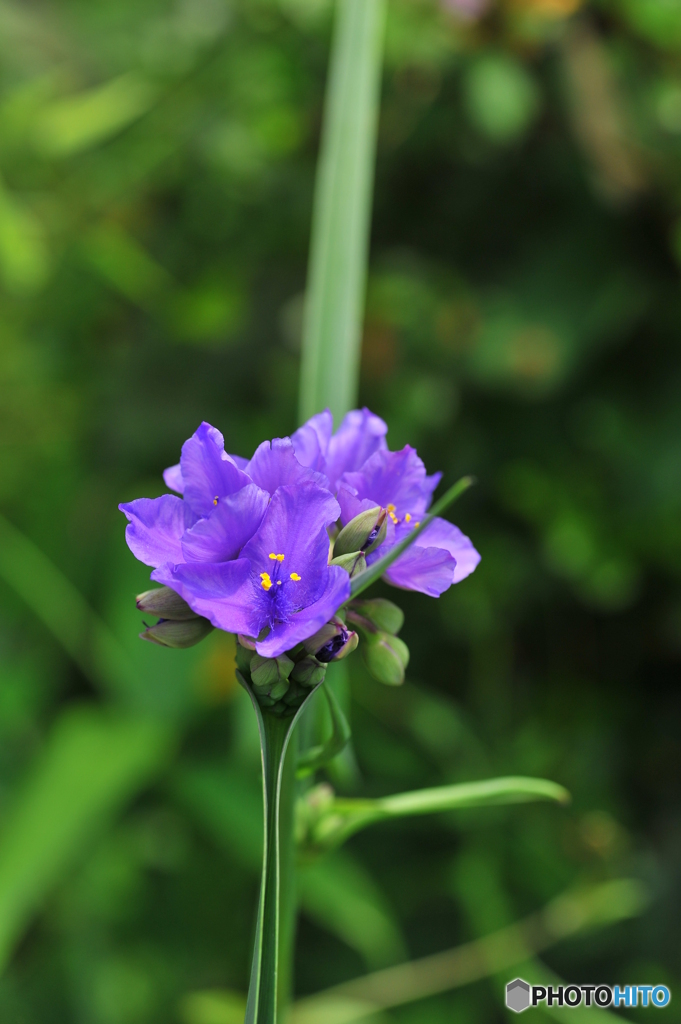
{"x":360,"y":435}
{"x":442,"y":554}
{"x":247,"y":548}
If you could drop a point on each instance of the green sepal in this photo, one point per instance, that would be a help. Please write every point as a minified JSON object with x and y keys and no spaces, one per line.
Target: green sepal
{"x":354,"y":562}
{"x":355,"y":535}
{"x":178,"y":634}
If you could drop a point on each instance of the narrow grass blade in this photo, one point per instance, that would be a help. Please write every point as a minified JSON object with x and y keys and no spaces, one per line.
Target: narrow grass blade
{"x":319,"y":756}
{"x":360,"y":583}
{"x":340,"y":227}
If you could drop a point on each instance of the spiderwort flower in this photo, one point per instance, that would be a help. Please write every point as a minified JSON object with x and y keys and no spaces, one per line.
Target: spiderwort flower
{"x":365,"y":474}
{"x":247,"y":548}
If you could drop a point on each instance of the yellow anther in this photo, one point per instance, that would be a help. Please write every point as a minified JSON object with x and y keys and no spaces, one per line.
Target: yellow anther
{"x":215,"y":500}
{"x":390,"y":508}
{"x":266,"y":583}
{"x":276,"y":558}
{"x":393,"y":517}
{"x":418,"y":523}
{"x":295,"y":576}
{"x":407,"y":518}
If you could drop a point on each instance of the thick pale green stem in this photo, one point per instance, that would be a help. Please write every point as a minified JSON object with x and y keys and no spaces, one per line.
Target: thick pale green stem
{"x":342,"y":212}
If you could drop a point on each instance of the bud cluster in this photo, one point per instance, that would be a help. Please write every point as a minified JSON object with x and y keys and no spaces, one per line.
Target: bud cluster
{"x":177,"y":626}
{"x":281,"y":684}
{"x":385,"y":655}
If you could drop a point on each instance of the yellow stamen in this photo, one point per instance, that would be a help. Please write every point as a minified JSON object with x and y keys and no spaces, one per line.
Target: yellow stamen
{"x":215,"y":500}
{"x":417,"y":524}
{"x":267,"y":582}
{"x":295,"y":576}
{"x":277,"y":558}
{"x":407,"y":518}
{"x":393,"y":517}
{"x":390,"y":508}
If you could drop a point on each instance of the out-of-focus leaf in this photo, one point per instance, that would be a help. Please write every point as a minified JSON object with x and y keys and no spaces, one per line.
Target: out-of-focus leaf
{"x":62,"y":608}
{"x":513,"y":947}
{"x":219,"y":1007}
{"x":24,"y":259}
{"x":339,"y":894}
{"x":501,"y":96}
{"x":126,"y":265}
{"x":93,"y":763}
{"x":329,"y":374}
{"x":77,"y":123}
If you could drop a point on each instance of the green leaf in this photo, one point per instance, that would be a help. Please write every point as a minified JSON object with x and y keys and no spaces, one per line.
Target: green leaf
{"x":339,"y":894}
{"x":62,"y":608}
{"x":338,"y":819}
{"x":319,"y":756}
{"x":93,"y":763}
{"x":329,"y":371}
{"x":360,"y":583}
{"x":270,"y":968}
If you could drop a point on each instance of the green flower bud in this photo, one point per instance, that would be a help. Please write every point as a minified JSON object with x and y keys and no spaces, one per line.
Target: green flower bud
{"x":174,"y":633}
{"x":269,"y":676}
{"x":386,"y":657}
{"x":377,"y":613}
{"x":353,"y":563}
{"x":165,"y":603}
{"x":363,"y":533}
{"x":308,"y":672}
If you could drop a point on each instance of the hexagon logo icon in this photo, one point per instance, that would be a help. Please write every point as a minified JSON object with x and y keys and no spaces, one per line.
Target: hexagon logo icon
{"x":518,"y":995}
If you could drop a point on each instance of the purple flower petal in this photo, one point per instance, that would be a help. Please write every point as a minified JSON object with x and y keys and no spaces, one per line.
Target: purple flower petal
{"x":359,"y":436}
{"x":220,"y":591}
{"x":172,"y":477}
{"x":396,"y":479}
{"x":295,"y":527}
{"x":311,"y":441}
{"x":221,"y":536}
{"x":239,"y":461}
{"x":428,"y":570}
{"x":155,"y":527}
{"x":207,"y":470}
{"x":275,"y":465}
{"x":443,"y":534}
{"x":302,"y":624}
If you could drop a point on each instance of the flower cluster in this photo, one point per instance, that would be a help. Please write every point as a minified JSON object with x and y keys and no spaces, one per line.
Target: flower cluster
{"x":249,"y":545}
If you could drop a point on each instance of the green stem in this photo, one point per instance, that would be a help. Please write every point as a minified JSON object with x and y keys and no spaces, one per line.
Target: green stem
{"x":329,"y":373}
{"x":270,"y":987}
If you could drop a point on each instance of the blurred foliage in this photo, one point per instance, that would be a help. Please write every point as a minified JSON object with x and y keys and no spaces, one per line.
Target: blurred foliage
{"x":156,"y":173}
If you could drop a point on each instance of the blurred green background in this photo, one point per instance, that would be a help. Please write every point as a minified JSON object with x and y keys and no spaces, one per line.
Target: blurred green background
{"x":157,"y":163}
